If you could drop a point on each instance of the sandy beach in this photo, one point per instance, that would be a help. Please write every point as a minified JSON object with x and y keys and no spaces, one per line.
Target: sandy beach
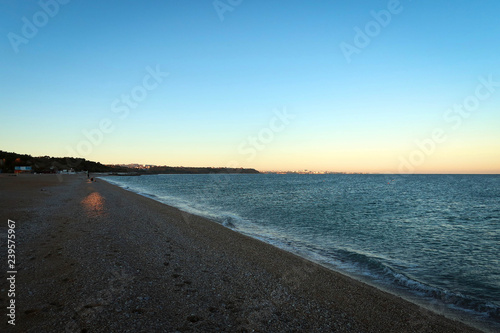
{"x":92,"y":257}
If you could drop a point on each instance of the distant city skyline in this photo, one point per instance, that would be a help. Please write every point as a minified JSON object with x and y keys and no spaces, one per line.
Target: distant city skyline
{"x":345,"y":86}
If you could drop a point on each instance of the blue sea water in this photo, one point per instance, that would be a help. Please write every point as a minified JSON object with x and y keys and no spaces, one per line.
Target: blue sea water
{"x":434,"y":239}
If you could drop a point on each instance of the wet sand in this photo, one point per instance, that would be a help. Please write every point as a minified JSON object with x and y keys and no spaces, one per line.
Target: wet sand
{"x":92,"y":257}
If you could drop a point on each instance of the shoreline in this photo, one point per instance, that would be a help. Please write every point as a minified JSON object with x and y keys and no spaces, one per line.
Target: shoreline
{"x":98,"y":257}
{"x":426,"y":302}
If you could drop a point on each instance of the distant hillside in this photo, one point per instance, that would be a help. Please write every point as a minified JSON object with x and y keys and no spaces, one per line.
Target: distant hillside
{"x":188,"y":170}
{"x":46,"y":164}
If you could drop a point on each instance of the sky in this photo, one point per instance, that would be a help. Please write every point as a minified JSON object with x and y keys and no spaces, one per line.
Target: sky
{"x":347,"y":85}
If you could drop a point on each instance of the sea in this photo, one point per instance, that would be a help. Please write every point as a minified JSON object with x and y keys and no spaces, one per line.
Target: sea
{"x":432,"y":239}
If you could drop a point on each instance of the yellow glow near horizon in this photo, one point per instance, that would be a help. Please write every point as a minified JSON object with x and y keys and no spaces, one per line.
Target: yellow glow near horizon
{"x":453,"y":158}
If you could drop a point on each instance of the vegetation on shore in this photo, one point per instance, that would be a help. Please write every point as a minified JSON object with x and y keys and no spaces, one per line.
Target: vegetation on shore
{"x":46,"y":164}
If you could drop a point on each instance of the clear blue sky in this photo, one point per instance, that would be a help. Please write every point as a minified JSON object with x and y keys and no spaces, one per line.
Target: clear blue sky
{"x":233,"y":66}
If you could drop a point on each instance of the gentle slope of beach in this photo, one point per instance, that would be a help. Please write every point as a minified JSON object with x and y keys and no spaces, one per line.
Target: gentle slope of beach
{"x":95,"y":258}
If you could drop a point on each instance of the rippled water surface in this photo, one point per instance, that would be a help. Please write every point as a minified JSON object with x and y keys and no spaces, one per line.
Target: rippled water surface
{"x":436,"y":237}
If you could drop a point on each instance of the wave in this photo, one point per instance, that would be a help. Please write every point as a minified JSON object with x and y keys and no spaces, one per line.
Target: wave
{"x":380,"y":271}
{"x":229,"y":220}
{"x":386,"y":273}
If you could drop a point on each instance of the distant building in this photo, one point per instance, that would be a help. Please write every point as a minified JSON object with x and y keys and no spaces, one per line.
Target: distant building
{"x":22,"y":169}
{"x":67,"y":172}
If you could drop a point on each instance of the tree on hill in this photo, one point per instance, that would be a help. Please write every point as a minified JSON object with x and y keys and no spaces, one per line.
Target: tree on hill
{"x":46,"y":164}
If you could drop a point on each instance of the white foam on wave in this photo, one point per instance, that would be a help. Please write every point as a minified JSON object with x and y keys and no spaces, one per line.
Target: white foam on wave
{"x":366,"y":267}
